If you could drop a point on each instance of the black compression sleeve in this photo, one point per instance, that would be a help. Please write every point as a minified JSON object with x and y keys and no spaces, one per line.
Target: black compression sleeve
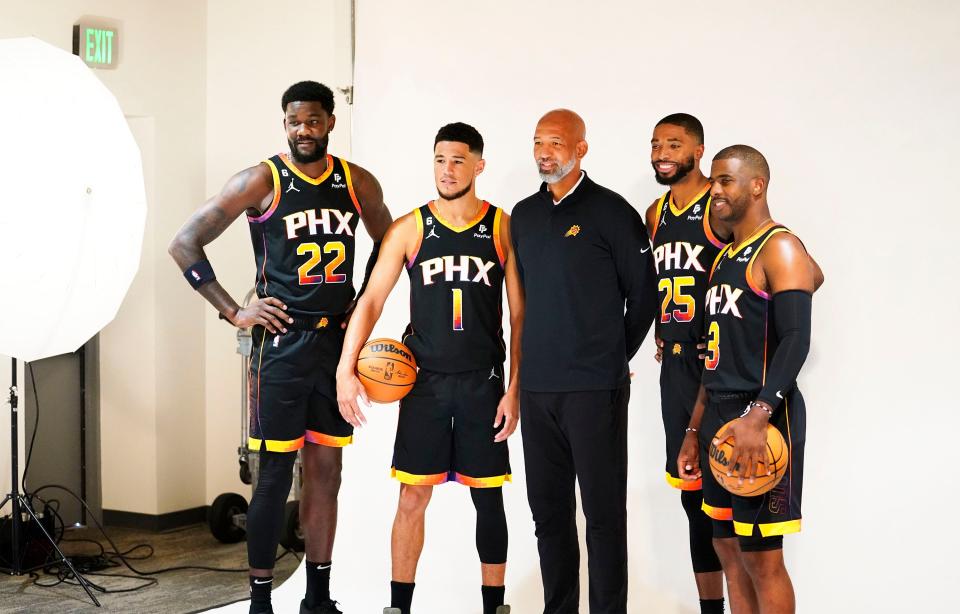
{"x":371,"y":261}
{"x":791,"y":318}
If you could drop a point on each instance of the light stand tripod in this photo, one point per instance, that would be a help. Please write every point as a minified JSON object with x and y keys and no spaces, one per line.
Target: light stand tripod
{"x":20,"y":503}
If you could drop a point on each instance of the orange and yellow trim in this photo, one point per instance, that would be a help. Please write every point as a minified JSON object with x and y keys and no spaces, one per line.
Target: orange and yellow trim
{"x":716,"y":261}
{"x":496,"y":236}
{"x":273,"y":445}
{"x":313,"y":181}
{"x":681,"y":211}
{"x":750,"y":281}
{"x":436,"y":213}
{"x":416,"y":249}
{"x":419,"y":480}
{"x":681,"y":484}
{"x":717,"y":513}
{"x":492,"y":482}
{"x":331,"y":441}
{"x":770,"y":529}
{"x":656,"y":225}
{"x":353,"y":195}
{"x":708,"y":229}
{"x":276,"y":195}
{"x":756,"y":235}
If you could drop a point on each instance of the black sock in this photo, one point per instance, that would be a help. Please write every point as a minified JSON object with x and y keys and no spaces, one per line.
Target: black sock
{"x":318,"y":583}
{"x":260,"y":593}
{"x":711,"y":606}
{"x":492,"y":597}
{"x":401,"y":596}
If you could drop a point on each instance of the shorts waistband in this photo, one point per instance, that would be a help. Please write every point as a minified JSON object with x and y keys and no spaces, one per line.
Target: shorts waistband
{"x":732,"y":396}
{"x":315,"y":322}
{"x":680,"y":349}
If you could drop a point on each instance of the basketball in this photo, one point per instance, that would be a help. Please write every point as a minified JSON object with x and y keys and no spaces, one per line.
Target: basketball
{"x":777,"y":455}
{"x":386,"y":369}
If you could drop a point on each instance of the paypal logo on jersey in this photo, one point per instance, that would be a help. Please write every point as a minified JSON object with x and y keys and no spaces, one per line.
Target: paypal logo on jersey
{"x":318,"y":223}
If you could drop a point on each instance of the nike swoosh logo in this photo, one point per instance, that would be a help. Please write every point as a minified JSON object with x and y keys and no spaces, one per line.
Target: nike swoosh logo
{"x":644,"y":251}
{"x":779,"y":396}
{"x":322,"y":567}
{"x":264,"y":582}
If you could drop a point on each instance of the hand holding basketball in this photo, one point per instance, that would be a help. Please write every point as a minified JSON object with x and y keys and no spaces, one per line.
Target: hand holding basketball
{"x":750,"y":449}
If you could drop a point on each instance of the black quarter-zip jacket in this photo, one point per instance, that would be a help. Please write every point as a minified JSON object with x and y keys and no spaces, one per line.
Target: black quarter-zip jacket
{"x":590,"y":288}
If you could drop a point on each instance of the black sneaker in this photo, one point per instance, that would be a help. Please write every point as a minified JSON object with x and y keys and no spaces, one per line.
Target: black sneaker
{"x":260,"y":609}
{"x":324,"y":607}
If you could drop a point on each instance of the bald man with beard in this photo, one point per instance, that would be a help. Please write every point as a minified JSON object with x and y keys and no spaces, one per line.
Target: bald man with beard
{"x":588,"y":277}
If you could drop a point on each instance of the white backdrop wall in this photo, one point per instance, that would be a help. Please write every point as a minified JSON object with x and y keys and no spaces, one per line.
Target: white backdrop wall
{"x":854,"y":105}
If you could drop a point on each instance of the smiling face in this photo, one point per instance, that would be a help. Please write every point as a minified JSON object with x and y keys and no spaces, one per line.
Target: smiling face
{"x":454,"y":168}
{"x":308,"y":128}
{"x":674,"y":152}
{"x":558,"y":145}
{"x":735,"y":185}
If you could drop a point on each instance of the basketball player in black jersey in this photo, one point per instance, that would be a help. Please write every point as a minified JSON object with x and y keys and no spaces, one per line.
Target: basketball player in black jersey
{"x":685,"y":244}
{"x":303,"y":209}
{"x":758,"y":335}
{"x":454,"y":424}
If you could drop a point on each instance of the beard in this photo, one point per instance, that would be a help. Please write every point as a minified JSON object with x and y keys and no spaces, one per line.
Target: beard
{"x":561,"y":172}
{"x":683,"y":169}
{"x":455,"y":195}
{"x":319,"y":151}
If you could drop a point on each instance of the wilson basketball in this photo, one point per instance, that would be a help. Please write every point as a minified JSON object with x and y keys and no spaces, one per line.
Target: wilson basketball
{"x":387,"y":370}
{"x":776,"y":463}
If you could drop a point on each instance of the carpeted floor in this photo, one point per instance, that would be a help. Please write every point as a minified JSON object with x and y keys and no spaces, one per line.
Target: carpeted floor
{"x":176,"y":592}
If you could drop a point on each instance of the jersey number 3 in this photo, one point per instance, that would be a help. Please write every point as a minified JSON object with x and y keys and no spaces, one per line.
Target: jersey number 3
{"x":305,"y":270}
{"x":713,"y":347}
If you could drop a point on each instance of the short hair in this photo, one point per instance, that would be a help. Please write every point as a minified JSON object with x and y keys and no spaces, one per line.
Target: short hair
{"x":308,"y":91}
{"x":459,"y":132}
{"x":748,"y":155}
{"x":686,"y":121}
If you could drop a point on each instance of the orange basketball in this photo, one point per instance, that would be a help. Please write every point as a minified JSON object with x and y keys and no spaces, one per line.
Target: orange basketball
{"x":387,"y":370}
{"x":777,"y":456}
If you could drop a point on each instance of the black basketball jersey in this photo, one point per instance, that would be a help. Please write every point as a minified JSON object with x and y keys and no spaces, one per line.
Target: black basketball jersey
{"x":684,"y":247}
{"x":741,"y":337}
{"x":304,"y":243}
{"x":456,"y":289}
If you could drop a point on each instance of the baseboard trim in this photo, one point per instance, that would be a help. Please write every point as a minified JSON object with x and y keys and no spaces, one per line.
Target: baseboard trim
{"x":154,"y":522}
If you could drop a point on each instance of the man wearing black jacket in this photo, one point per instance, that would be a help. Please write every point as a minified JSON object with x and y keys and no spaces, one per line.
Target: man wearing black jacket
{"x":584,"y":261}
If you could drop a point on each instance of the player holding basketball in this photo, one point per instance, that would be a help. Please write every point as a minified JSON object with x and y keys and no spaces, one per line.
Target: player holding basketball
{"x":685,"y":245}
{"x":303,"y":210}
{"x":758,"y":335}
{"x":454,"y":423}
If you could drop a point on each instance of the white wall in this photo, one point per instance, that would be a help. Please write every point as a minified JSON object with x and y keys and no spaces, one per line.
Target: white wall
{"x":152,"y":354}
{"x":255,"y":51}
{"x":854,"y":105}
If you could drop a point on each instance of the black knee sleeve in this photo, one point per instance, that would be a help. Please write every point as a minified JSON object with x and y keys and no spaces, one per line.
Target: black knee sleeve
{"x":265,"y":515}
{"x":491,"y":525}
{"x":702,"y":554}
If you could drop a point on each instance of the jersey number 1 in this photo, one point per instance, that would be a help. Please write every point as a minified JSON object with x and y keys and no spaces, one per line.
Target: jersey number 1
{"x":316,"y":255}
{"x":457,"y":309}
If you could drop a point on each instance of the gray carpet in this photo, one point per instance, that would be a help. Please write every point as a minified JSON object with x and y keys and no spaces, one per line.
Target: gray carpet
{"x":177,"y":592}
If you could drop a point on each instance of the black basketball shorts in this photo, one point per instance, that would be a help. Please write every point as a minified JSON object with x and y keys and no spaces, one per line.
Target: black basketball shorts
{"x":776,"y":512}
{"x":293,"y":389}
{"x":445,"y":431}
{"x":680,"y":372}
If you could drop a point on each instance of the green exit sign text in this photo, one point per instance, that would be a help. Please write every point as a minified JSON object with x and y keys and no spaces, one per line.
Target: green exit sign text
{"x":96,"y":45}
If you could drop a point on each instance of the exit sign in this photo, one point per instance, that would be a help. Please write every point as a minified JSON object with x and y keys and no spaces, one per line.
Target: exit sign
{"x":96,"y":45}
